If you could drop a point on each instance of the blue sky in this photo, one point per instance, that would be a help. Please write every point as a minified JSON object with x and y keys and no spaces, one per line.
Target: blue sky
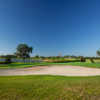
{"x":69,"y":27}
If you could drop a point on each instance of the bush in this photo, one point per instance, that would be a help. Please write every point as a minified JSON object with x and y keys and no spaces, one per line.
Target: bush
{"x":61,"y":60}
{"x":82,"y":59}
{"x":8,"y":61}
{"x":2,"y":62}
{"x":91,"y":60}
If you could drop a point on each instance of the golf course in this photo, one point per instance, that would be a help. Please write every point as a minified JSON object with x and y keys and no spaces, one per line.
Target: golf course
{"x":49,"y":49}
{"x":46,"y":81}
{"x":23,"y":77}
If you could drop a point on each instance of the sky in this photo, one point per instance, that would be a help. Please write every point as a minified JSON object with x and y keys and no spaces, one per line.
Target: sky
{"x":51,"y":27}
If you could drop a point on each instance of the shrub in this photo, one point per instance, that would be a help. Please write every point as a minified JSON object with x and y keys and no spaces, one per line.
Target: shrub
{"x":61,"y":60}
{"x":82,"y":59}
{"x":8,"y":61}
{"x":91,"y":60}
{"x":2,"y":62}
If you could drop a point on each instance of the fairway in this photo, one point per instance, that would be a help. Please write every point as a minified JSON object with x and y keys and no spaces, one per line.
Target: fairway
{"x":49,"y":88}
{"x":49,"y":49}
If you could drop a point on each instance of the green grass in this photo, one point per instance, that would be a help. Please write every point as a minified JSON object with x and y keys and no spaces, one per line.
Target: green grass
{"x":49,"y":88}
{"x":21,"y":65}
{"x":84,"y":64}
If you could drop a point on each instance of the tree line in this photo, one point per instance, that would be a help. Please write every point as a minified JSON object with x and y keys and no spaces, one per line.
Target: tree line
{"x":23,"y":51}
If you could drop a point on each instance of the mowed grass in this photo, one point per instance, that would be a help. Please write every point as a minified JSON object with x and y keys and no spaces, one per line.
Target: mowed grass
{"x":84,"y":64}
{"x":22,"y":65}
{"x":49,"y":88}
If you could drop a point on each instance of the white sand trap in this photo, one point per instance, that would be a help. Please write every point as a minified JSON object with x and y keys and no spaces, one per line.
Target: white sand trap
{"x":52,"y":70}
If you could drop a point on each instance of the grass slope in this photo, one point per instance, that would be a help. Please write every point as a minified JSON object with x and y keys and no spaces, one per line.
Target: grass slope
{"x":49,"y":88}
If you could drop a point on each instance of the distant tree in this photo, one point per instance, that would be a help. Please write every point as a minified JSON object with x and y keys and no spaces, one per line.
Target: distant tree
{"x":37,"y":56}
{"x":91,"y":60}
{"x":98,"y":52}
{"x":42,"y":57}
{"x":10,"y":56}
{"x":82,"y":59}
{"x":8,"y":59}
{"x":23,"y":51}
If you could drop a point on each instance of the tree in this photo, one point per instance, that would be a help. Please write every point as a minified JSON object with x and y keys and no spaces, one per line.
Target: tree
{"x":91,"y":60}
{"x":37,"y":56}
{"x":23,"y":51}
{"x":8,"y":60}
{"x":82,"y":59}
{"x":98,"y":52}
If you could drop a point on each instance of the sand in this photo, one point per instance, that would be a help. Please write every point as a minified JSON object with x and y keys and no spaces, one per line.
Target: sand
{"x":52,"y":70}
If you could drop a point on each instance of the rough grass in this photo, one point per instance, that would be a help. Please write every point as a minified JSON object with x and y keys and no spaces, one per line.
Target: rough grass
{"x":49,"y":88}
